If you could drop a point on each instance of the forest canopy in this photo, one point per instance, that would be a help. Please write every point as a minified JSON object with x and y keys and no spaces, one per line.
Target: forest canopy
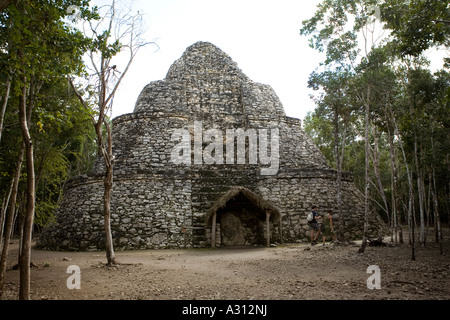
{"x":381,"y":112}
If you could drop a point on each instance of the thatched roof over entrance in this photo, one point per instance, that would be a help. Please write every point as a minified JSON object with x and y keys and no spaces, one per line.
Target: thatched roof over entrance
{"x":254,"y":198}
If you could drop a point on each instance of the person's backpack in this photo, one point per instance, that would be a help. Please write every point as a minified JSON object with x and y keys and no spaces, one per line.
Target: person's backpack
{"x":310,"y":217}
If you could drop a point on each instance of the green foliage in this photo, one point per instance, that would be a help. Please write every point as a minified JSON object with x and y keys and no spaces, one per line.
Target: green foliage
{"x":335,"y":26}
{"x":38,"y":51}
{"x":40,"y":43}
{"x":408,"y":103}
{"x":333,"y":112}
{"x":417,"y":25}
{"x":321,"y":132}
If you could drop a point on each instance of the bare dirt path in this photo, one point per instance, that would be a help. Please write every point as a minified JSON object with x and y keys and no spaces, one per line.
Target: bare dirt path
{"x":285,"y":272}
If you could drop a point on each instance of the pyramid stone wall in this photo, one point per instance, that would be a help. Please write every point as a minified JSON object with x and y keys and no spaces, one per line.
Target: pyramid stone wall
{"x":158,"y":203}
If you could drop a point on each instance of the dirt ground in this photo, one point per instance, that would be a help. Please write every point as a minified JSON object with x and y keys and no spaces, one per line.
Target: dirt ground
{"x":285,"y":272}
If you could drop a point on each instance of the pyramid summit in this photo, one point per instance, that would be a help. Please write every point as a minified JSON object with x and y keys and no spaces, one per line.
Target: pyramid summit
{"x":204,"y":58}
{"x":205,"y":80}
{"x":193,"y":169}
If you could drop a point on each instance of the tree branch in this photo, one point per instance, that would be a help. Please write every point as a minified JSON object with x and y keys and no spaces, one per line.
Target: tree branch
{"x":80,"y":98}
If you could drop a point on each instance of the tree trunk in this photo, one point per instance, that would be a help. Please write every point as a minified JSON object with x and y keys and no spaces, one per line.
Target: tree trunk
{"x":108,"y":159}
{"x":106,"y":95}
{"x":376,"y":168}
{"x":5,"y":203}
{"x":410,"y":191}
{"x":428,"y":207}
{"x":108,"y":182}
{"x":5,"y":103}
{"x":434,"y":191}
{"x":437,"y":218}
{"x":25,"y":254}
{"x":339,"y":158}
{"x":419,"y":186}
{"x":394,"y":185}
{"x":420,"y":191}
{"x":412,"y":232}
{"x":10,"y":218}
{"x":367,"y":181}
{"x":109,"y":164}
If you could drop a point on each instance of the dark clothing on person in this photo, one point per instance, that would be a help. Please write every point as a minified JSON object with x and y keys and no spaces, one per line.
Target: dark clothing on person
{"x":313,"y":225}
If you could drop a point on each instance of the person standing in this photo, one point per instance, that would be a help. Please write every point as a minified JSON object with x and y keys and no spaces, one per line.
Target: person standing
{"x":314,"y":226}
{"x":327,"y":227}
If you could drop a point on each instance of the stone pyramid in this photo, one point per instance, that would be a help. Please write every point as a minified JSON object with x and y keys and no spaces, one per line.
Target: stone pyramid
{"x":208,"y":157}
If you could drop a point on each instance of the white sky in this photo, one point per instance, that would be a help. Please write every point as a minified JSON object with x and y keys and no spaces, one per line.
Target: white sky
{"x":261,"y":36}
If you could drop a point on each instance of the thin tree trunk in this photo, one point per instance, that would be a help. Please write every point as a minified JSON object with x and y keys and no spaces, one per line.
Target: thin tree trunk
{"x":19,"y":222}
{"x":413,"y":241}
{"x":447,"y":198}
{"x":25,"y":254}
{"x":108,"y":159}
{"x":428,"y":208}
{"x":433,"y":188}
{"x":411,"y":222}
{"x":437,"y":218}
{"x":5,"y":103}
{"x":367,"y":181}
{"x":2,"y":215}
{"x":398,"y":234}
{"x":103,"y":71}
{"x":376,"y":168}
{"x":410,"y":189}
{"x":106,"y":201}
{"x":108,"y":183}
{"x":10,"y":218}
{"x":338,"y":157}
{"x":393,"y":187}
{"x":419,"y":191}
{"x":5,"y":203}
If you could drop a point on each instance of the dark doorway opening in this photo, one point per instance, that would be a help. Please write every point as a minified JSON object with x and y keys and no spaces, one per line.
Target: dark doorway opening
{"x":241,"y":223}
{"x":242,"y":217}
